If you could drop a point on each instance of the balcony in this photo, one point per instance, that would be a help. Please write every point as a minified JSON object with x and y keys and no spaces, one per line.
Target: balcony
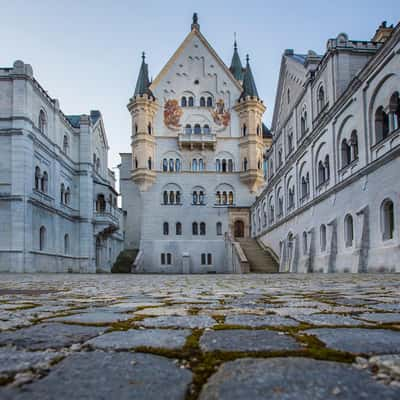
{"x":106,"y":222}
{"x":199,"y":141}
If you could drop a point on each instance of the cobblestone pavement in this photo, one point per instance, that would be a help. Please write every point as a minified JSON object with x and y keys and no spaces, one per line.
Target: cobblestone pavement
{"x":200,"y":337}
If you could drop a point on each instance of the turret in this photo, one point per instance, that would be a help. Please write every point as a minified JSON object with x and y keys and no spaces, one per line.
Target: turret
{"x":236,"y":65}
{"x":143,"y":107}
{"x":250,"y":109}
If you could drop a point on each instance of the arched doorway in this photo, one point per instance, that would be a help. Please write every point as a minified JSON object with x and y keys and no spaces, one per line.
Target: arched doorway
{"x":239,"y":229}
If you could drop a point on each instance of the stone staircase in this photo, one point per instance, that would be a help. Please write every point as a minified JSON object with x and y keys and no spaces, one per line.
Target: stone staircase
{"x":260,"y":260}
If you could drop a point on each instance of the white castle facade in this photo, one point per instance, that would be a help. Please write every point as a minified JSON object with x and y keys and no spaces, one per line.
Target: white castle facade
{"x":58,"y":204}
{"x":332,"y":199}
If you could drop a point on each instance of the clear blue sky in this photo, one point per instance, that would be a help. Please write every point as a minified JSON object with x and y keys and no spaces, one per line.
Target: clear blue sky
{"x":86,"y":53}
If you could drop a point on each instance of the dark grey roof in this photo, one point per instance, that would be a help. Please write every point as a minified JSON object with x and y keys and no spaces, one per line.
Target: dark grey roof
{"x":143,"y":82}
{"x":94,"y":116}
{"x":266,"y":132}
{"x":236,"y":65}
{"x":300,"y":58}
{"x":249,"y":86}
{"x":74,"y":120}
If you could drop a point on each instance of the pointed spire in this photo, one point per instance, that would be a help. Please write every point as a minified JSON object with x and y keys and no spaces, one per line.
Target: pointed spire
{"x":236,"y":65}
{"x":249,"y":86}
{"x":143,"y":83}
{"x":195,"y":22}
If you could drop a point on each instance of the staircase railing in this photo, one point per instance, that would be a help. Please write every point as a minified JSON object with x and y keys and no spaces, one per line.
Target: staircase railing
{"x":271,"y":252}
{"x":236,"y":259}
{"x":137,"y":265}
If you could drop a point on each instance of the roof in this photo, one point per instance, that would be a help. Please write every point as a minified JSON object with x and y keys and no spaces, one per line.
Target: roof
{"x":94,"y":116}
{"x":266,"y":132}
{"x":236,"y":65}
{"x":74,"y":120}
{"x":143,"y":82}
{"x":300,"y":58}
{"x":249,"y":86}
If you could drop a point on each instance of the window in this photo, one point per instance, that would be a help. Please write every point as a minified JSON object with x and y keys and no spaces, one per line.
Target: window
{"x":191,"y":101}
{"x":183,"y":102}
{"x":195,"y":228}
{"x":206,"y":259}
{"x":321,"y":173}
{"x":206,"y":129}
{"x":387,"y":219}
{"x":224,"y":198}
{"x":166,"y":259}
{"x":65,"y":144}
{"x":381,"y":124}
{"x":194,"y":165}
{"x":62,"y":192}
{"x":37,"y":178}
{"x":288,"y":96}
{"x":280,"y":207}
{"x":244,"y":130}
{"x":323,"y":237}
{"x":258,"y":131}
{"x":218,"y":198}
{"x":202,"y":102}
{"x":178,"y":229}
{"x":346,"y":153}
{"x":97,"y":164}
{"x":169,"y":258}
{"x":230,"y":198}
{"x":136,"y":162}
{"x":290,"y":142}
{"x":305,"y":186}
{"x":223,"y":165}
{"x":178,"y":197}
{"x":348,"y":230}
{"x":327,"y":168}
{"x":203,"y":258}
{"x":136,"y":128}
{"x":291,"y":198}
{"x":219,"y":229}
{"x":178,"y":165}
{"x":165,"y":165}
{"x":66,"y":244}
{"x":230,"y":165}
{"x":149,"y":128}
{"x":171,"y":197}
{"x":42,"y":122}
{"x":197,"y":129}
{"x":162,"y":258}
{"x":201,"y":197}
{"x":149,"y":163}
{"x":165,"y":197}
{"x":280,"y":161}
{"x":201,"y":164}
{"x":394,"y":111}
{"x":42,"y":238}
{"x":202,"y":228}
{"x":218,"y":165}
{"x":188,"y":129}
{"x":303,"y":122}
{"x":209,"y":102}
{"x":305,"y":246}
{"x":165,"y":228}
{"x":209,"y":258}
{"x":195,"y":197}
{"x":245,"y":164}
{"x":100,"y":203}
{"x":44,"y":182}
{"x":354,"y":145}
{"x":321,"y":99}
{"x":171,"y":165}
{"x":67,"y":196}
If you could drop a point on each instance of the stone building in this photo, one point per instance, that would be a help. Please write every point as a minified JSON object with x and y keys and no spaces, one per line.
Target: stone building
{"x":58,"y":203}
{"x":332,"y":199}
{"x":196,"y":161}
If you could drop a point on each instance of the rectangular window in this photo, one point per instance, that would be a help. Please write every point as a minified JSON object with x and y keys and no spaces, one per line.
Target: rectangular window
{"x":162,"y":259}
{"x":203,"y":258}
{"x":209,"y":258}
{"x":169,"y":258}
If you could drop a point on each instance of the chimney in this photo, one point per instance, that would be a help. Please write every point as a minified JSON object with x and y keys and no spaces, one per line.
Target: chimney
{"x":383,"y":33}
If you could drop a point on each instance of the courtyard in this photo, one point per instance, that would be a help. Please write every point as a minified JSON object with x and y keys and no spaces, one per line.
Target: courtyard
{"x":199,"y":336}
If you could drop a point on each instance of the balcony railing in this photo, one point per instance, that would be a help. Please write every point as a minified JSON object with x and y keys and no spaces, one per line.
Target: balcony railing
{"x":197,"y":140}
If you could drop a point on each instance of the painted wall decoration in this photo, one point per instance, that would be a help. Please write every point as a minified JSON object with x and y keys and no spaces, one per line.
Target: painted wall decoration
{"x":172,"y":114}
{"x":220,"y":115}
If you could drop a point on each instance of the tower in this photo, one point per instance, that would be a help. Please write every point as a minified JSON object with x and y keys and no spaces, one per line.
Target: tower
{"x":143,"y":107}
{"x":250,"y":109}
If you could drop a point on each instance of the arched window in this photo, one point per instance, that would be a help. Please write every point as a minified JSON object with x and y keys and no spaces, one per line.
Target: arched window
{"x":305,"y":246}
{"x":178,"y":229}
{"x":354,"y":145}
{"x":206,"y":129}
{"x":136,"y":162}
{"x":37,"y":178}
{"x":62,"y":192}
{"x":42,"y":122}
{"x":191,"y":101}
{"x":348,"y":230}
{"x":218,"y":198}
{"x":98,"y":164}
{"x":321,"y":99}
{"x":171,"y":197}
{"x":100,"y":203}
{"x":149,"y":163}
{"x":165,"y":197}
{"x":230,"y":165}
{"x":178,"y":197}
{"x":67,"y":195}
{"x":394,"y":111}
{"x":258,"y":130}
{"x":44,"y":182}
{"x":42,"y":238}
{"x":290,"y":142}
{"x":230,"y":198}
{"x":218,"y":165}
{"x":201,"y":197}
{"x":65,"y":144}
{"x":327,"y":168}
{"x":224,"y":165}
{"x":202,"y":228}
{"x":209,"y":102}
{"x":66,"y":243}
{"x":244,"y":130}
{"x":387,"y":219}
{"x":197,"y":129}
{"x":188,"y":129}
{"x":321,"y":173}
{"x":381,"y":124}
{"x":303,"y":187}
{"x":280,"y":207}
{"x":195,"y":228}
{"x":183,"y":102}
{"x":195,"y":197}
{"x":165,"y":165}
{"x":280,"y":160}
{"x":171,"y":164}
{"x":149,"y":128}
{"x":346,"y":153}
{"x":224,"y":198}
{"x":202,"y":102}
{"x":178,"y":165}
{"x":219,"y":228}
{"x":323,"y":237}
{"x":201,"y":164}
{"x":165,"y":228}
{"x":303,"y":122}
{"x":288,"y":96}
{"x":194,"y":165}
{"x":245,"y":164}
